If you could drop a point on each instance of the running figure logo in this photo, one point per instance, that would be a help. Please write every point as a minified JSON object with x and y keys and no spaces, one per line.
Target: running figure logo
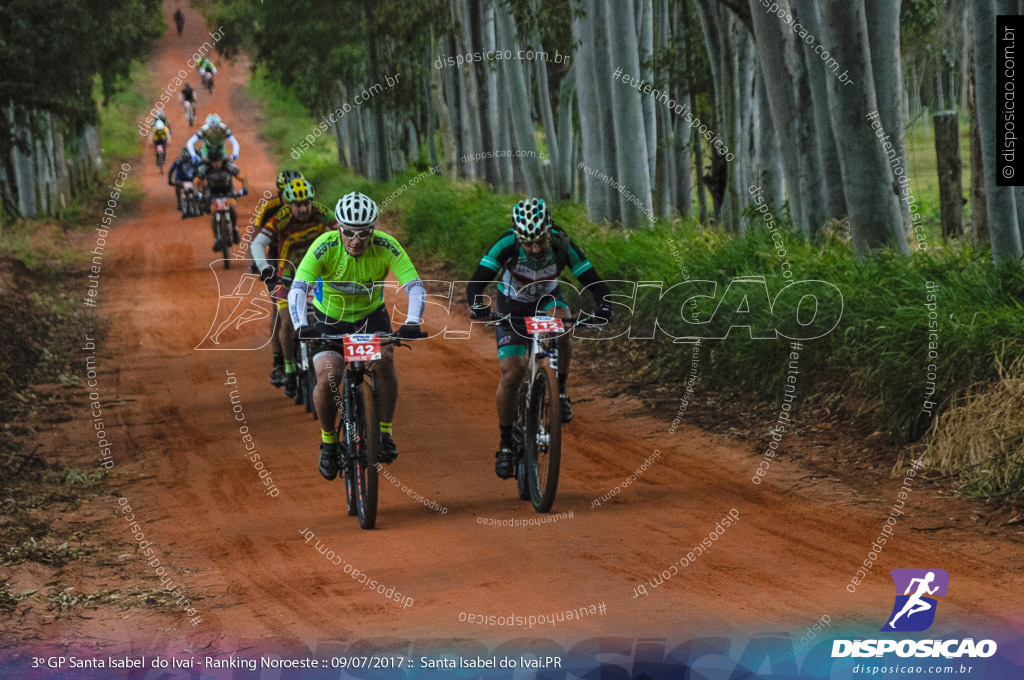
{"x":915,"y":611}
{"x":248,"y":302}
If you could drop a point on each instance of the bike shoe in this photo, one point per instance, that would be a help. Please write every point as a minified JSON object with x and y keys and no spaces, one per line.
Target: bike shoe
{"x":566,"y":406}
{"x":328,"y":460}
{"x":277,"y":376}
{"x":291,"y":385}
{"x":503,"y":464}
{"x":217,"y":245}
{"x":388,"y":450}
{"x":236,"y":237}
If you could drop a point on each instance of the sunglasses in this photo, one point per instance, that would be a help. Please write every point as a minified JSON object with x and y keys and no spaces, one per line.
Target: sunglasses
{"x":361,"y":234}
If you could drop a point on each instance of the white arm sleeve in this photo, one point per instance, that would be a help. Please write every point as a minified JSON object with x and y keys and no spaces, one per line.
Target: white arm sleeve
{"x":191,"y":144}
{"x":297,"y":303}
{"x":417,"y":301}
{"x":259,"y":250}
{"x":234,"y":145}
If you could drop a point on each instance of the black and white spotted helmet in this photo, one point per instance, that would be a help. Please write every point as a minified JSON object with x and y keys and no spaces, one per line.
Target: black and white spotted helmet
{"x":531,"y":219}
{"x":355,"y":210}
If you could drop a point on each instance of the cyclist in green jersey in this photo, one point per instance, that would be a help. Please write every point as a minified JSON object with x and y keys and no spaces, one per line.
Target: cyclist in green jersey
{"x":527,"y":260}
{"x":346,"y":268}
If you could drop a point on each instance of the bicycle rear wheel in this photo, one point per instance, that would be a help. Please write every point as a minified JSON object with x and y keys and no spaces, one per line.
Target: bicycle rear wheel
{"x":543,"y":441}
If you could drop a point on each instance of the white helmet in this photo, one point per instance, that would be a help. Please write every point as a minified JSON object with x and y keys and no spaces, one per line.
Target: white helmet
{"x":213,"y":120}
{"x":355,"y":210}
{"x":159,"y":125}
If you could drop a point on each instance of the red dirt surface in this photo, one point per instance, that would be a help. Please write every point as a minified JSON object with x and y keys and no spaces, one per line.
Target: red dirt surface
{"x":240,"y":555}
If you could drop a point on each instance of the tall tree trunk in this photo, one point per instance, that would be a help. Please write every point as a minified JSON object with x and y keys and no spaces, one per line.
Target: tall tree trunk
{"x":519,"y":100}
{"x":470,"y":87}
{"x":883,"y":18}
{"x":628,"y":119}
{"x":682,"y":148}
{"x":775,"y":50}
{"x":428,"y":99}
{"x":1003,"y":229}
{"x":566,"y":96}
{"x":495,"y":174}
{"x":950,"y":169}
{"x":876,"y":220}
{"x":698,"y":162}
{"x":979,"y":214}
{"x":646,"y":44}
{"x":769,"y":158}
{"x":548,"y":118}
{"x":828,"y":152}
{"x":444,"y":121}
{"x":592,"y":133}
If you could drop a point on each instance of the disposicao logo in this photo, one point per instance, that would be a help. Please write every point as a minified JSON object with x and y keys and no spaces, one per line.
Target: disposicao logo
{"x":915,"y":611}
{"x":917,"y":591}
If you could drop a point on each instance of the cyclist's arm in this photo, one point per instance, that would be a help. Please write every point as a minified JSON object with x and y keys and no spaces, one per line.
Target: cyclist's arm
{"x":297,"y":303}
{"x":259,"y":249}
{"x":306,"y":275}
{"x":490,"y":264}
{"x":191,"y":143}
{"x":234,"y":145}
{"x":417,"y":301}
{"x":482,"y":277}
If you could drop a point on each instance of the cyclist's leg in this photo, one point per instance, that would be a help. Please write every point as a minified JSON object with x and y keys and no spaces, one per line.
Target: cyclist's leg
{"x":330,"y":368}
{"x":556,"y":306}
{"x":513,"y":369}
{"x":286,"y":336}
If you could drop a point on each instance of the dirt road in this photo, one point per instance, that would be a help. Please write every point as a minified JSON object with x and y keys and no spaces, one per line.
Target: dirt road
{"x":242,"y":556}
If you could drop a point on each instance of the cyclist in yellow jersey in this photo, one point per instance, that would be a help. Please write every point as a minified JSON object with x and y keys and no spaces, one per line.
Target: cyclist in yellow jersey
{"x":263,"y":214}
{"x":292,"y":230}
{"x":346,"y":267}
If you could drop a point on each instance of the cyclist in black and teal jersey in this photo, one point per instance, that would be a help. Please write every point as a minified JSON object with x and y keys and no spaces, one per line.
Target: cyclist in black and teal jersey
{"x":527,"y":260}
{"x":345,"y":267}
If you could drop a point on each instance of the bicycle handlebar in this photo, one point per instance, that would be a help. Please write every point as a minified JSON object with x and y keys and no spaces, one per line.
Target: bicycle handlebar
{"x":309,"y":334}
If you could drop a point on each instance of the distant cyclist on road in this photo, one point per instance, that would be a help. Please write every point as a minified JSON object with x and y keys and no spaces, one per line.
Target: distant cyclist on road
{"x":179,"y":20}
{"x":188,"y":95}
{"x":182,"y":170}
{"x":527,"y":260}
{"x":342,"y":266}
{"x":218,"y":177}
{"x":263,"y":214}
{"x":290,"y":231}
{"x":213,"y":135}
{"x":206,"y":71}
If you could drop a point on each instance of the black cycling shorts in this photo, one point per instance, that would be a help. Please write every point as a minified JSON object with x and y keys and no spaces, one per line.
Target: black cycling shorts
{"x":377,"y":321}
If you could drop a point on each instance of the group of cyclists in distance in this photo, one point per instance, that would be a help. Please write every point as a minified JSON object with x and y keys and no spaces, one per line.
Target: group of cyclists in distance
{"x":308,"y":254}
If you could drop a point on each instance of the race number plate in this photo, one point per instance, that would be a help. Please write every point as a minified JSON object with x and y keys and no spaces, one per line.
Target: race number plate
{"x":362,"y":347}
{"x":221,"y":204}
{"x":543,"y":324}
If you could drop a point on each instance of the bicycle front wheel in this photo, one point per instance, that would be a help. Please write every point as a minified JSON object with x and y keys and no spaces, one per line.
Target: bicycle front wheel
{"x":367,"y":452}
{"x":543,"y":441}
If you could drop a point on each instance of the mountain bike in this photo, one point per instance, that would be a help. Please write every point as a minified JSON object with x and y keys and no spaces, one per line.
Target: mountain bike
{"x":306,"y":374}
{"x":189,"y":201}
{"x":208,"y":81}
{"x":190,"y":113}
{"x":223,"y":225}
{"x":537,"y":429}
{"x":357,"y":423}
{"x":161,"y":155}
